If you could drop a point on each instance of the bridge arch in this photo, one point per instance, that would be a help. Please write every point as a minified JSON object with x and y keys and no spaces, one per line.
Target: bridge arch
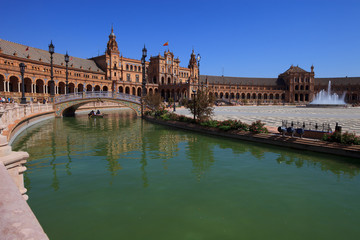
{"x":66,"y":105}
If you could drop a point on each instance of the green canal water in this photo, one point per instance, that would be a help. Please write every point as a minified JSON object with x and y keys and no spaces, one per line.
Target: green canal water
{"x":123,"y":178}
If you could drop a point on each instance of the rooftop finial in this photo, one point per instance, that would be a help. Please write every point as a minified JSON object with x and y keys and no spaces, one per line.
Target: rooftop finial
{"x":112,"y":31}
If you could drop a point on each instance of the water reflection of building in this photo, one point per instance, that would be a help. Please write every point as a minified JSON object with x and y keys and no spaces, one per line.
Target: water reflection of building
{"x":57,"y":143}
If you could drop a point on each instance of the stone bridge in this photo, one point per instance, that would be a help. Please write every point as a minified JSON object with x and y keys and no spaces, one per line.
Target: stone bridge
{"x":66,"y":105}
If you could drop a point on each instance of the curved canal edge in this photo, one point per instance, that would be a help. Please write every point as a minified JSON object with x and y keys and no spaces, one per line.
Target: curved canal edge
{"x":17,"y":221}
{"x":307,"y":144}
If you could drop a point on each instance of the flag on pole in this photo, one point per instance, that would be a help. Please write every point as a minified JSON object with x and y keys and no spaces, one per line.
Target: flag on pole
{"x":27,"y":49}
{"x":71,"y":58}
{"x":166,"y":44}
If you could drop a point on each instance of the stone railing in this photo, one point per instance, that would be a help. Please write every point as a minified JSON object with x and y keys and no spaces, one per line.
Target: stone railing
{"x":17,"y":221}
{"x":100,"y":94}
{"x":12,"y":112}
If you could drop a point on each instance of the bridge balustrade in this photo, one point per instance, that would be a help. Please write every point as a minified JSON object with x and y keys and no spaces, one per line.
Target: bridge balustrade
{"x":97,"y":94}
{"x":9,"y":113}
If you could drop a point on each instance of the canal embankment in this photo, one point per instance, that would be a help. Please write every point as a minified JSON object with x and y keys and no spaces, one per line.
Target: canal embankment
{"x":298,"y":143}
{"x":17,"y":221}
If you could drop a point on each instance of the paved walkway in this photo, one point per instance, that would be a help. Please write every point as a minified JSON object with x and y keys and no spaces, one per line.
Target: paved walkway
{"x":348,"y":118}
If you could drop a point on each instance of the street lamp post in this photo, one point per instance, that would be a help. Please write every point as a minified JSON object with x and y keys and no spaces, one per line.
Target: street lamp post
{"x":22,"y":71}
{"x":52,"y":84}
{"x":198,"y":61}
{"x":174,"y":101}
{"x":194,"y":91}
{"x":143,"y":92}
{"x":67,"y":74}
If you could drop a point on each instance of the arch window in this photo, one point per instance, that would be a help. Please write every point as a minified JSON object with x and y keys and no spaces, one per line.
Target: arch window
{"x":28,"y":84}
{"x":39,"y":86}
{"x":80,"y":88}
{"x":2,"y":80}
{"x":61,"y":88}
{"x":71,"y":87}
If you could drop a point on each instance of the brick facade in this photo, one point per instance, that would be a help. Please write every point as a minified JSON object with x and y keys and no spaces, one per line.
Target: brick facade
{"x":113,"y":72}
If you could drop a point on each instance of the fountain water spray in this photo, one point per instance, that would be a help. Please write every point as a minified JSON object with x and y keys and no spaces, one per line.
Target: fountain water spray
{"x":325,"y":98}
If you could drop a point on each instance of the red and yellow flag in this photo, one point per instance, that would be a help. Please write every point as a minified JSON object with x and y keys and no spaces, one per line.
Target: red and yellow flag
{"x":166,"y":44}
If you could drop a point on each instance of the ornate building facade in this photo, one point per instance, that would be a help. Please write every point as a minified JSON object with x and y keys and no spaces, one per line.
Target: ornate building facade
{"x":113,"y":72}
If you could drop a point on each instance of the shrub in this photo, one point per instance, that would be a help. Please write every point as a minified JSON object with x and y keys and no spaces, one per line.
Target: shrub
{"x":333,"y":137}
{"x":225,"y":127}
{"x":345,"y":138}
{"x":258,"y":127}
{"x":173,"y":116}
{"x":160,"y":112}
{"x":349,"y":138}
{"x":165,"y":117}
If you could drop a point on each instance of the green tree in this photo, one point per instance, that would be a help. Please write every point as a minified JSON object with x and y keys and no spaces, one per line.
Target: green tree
{"x":203,"y":106}
{"x":153,"y":101}
{"x":170,"y":101}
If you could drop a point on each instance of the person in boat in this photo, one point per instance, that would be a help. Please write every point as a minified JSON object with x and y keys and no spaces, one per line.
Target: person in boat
{"x":92,"y":113}
{"x":98,"y":112}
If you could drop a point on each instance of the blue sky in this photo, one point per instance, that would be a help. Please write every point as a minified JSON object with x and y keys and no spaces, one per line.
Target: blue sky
{"x":239,"y":38}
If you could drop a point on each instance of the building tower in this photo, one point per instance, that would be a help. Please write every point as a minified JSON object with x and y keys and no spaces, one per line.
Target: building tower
{"x":113,"y":66}
{"x":193,"y":69}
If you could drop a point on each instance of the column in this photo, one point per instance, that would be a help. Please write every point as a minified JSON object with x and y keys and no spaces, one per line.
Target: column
{"x":32,"y":88}
{"x":5,"y":84}
{"x":44,"y":89}
{"x":19,"y":87}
